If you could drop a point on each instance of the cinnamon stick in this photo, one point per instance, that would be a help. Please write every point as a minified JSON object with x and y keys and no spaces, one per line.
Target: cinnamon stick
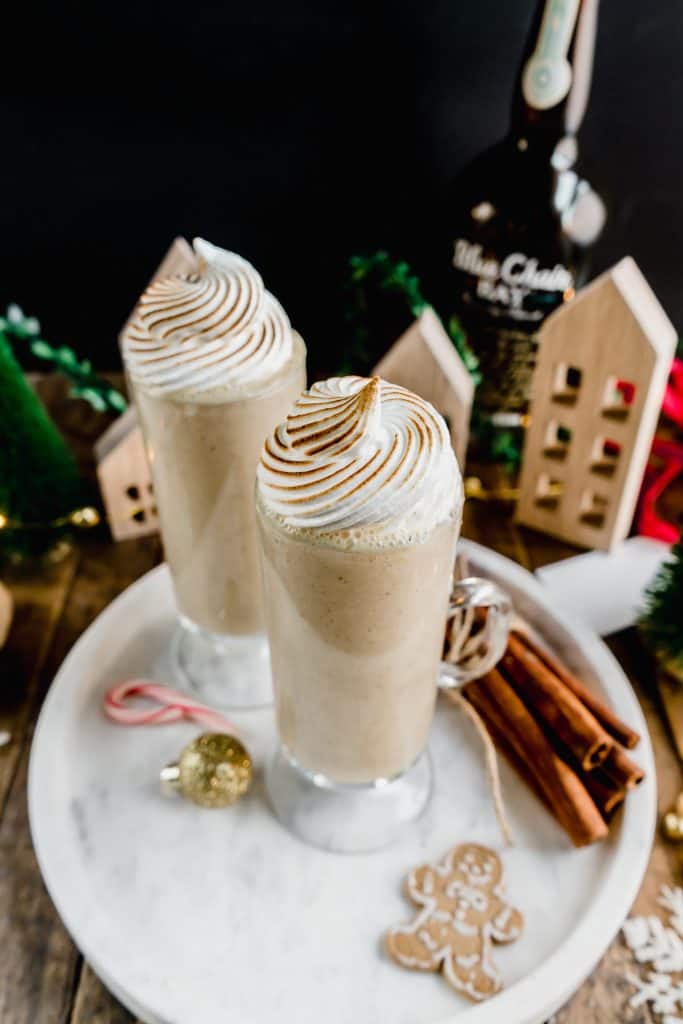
{"x":622,"y":770}
{"x":563,"y":792}
{"x":621,"y":732}
{"x":607,"y":794}
{"x":556,"y":706}
{"x":486,"y":709}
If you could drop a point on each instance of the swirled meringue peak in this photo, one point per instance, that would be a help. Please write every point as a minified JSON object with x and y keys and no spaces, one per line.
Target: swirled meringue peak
{"x":213,"y":326}
{"x":360,"y":460}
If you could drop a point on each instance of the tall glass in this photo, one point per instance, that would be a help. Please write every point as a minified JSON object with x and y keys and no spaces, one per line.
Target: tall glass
{"x":203,"y":449}
{"x":356,"y":636}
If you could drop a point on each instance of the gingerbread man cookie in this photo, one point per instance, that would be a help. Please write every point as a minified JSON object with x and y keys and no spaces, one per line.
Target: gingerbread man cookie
{"x":463,"y":911}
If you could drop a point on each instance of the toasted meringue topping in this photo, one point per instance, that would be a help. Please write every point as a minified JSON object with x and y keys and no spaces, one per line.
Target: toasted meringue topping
{"x":359,"y":453}
{"x":211,"y":327}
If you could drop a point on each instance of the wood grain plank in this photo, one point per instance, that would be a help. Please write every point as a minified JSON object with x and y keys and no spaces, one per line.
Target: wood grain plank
{"x":490,"y":523}
{"x":604,"y":996}
{"x":42,"y":979}
{"x":6,"y":612}
{"x":667,"y":858}
{"x":39,"y":969}
{"x":94,"y":1004}
{"x":39,"y":963}
{"x":543,"y":549}
{"x":38,"y":601}
{"x":40,"y":590}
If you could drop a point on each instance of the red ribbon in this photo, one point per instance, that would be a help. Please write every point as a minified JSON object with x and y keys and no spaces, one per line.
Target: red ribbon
{"x":672,"y":406}
{"x":666,"y":463}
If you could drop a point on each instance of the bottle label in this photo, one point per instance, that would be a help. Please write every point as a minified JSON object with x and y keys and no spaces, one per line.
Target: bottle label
{"x":547,"y":75}
{"x":512,"y":283}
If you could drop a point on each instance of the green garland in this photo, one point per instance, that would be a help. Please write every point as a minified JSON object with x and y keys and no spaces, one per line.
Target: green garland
{"x":18,"y":330}
{"x":378,"y":274}
{"x":376,"y":283}
{"x":393,"y":276}
{"x":662,"y":623}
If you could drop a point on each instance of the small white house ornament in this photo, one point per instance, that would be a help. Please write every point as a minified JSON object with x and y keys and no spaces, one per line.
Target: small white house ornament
{"x":602,"y":367}
{"x":425,"y":361}
{"x":125,"y":480}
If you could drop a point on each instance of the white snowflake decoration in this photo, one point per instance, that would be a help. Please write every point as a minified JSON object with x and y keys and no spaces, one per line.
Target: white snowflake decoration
{"x":672,"y":900}
{"x":660,"y":945}
{"x":659,"y":990}
{"x":651,"y":942}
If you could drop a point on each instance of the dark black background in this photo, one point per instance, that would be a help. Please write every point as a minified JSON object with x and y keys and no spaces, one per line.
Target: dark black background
{"x":297,"y":134}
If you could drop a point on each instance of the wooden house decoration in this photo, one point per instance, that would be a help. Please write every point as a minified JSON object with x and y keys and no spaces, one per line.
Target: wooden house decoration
{"x":125,"y":480}
{"x":425,"y":360}
{"x":122,"y":469}
{"x":602,"y":368}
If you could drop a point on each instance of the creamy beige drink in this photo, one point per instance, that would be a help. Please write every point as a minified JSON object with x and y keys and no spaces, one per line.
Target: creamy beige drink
{"x":214,"y":365}
{"x":204,"y":451}
{"x":359,"y":502}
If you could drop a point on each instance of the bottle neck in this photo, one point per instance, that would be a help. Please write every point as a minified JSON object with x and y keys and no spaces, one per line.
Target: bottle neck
{"x":553,"y":81}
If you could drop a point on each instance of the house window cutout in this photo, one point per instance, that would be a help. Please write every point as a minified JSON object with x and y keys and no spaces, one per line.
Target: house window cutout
{"x":618,"y":398}
{"x":548,"y":491}
{"x":141,"y":512}
{"x":566,"y":384}
{"x":557,"y":438}
{"x":605,"y":456}
{"x":593,"y":509}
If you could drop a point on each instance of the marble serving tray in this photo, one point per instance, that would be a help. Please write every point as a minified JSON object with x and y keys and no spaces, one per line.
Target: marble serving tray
{"x":195,"y":916}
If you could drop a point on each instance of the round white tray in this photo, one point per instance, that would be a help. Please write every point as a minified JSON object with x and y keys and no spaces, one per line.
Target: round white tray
{"x":193,"y":916}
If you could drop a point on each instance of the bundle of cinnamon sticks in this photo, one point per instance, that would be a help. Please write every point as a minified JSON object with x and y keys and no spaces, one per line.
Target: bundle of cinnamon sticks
{"x":565,"y":743}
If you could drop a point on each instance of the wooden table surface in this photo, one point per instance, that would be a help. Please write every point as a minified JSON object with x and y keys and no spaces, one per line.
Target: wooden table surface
{"x":43,"y":978}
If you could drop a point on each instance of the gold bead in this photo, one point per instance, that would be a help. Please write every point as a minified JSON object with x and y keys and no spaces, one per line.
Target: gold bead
{"x":215,"y":770}
{"x":672,"y":826}
{"x":87,"y":516}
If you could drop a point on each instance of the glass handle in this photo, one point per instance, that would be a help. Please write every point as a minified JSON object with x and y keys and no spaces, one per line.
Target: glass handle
{"x":477,"y":641}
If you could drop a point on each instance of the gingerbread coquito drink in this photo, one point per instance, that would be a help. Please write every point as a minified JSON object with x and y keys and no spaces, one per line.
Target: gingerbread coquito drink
{"x":214,"y":365}
{"x":359,"y":502}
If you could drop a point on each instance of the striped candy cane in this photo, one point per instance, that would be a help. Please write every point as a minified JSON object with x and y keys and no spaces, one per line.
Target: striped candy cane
{"x":172,"y":707}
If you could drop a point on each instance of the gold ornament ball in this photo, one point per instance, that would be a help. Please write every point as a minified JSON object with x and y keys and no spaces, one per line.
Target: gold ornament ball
{"x":673,"y":826}
{"x":215,"y":770}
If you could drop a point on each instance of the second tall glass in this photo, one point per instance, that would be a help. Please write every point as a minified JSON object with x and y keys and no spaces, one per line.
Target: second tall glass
{"x":214,"y":365}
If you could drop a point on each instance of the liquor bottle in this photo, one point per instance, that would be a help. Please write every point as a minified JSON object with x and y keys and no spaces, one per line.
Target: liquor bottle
{"x":521,"y":221}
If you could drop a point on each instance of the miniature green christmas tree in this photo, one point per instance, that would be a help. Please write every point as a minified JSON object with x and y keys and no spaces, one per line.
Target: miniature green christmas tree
{"x":39,"y":478}
{"x":663,"y":620}
{"x":40,"y":486}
